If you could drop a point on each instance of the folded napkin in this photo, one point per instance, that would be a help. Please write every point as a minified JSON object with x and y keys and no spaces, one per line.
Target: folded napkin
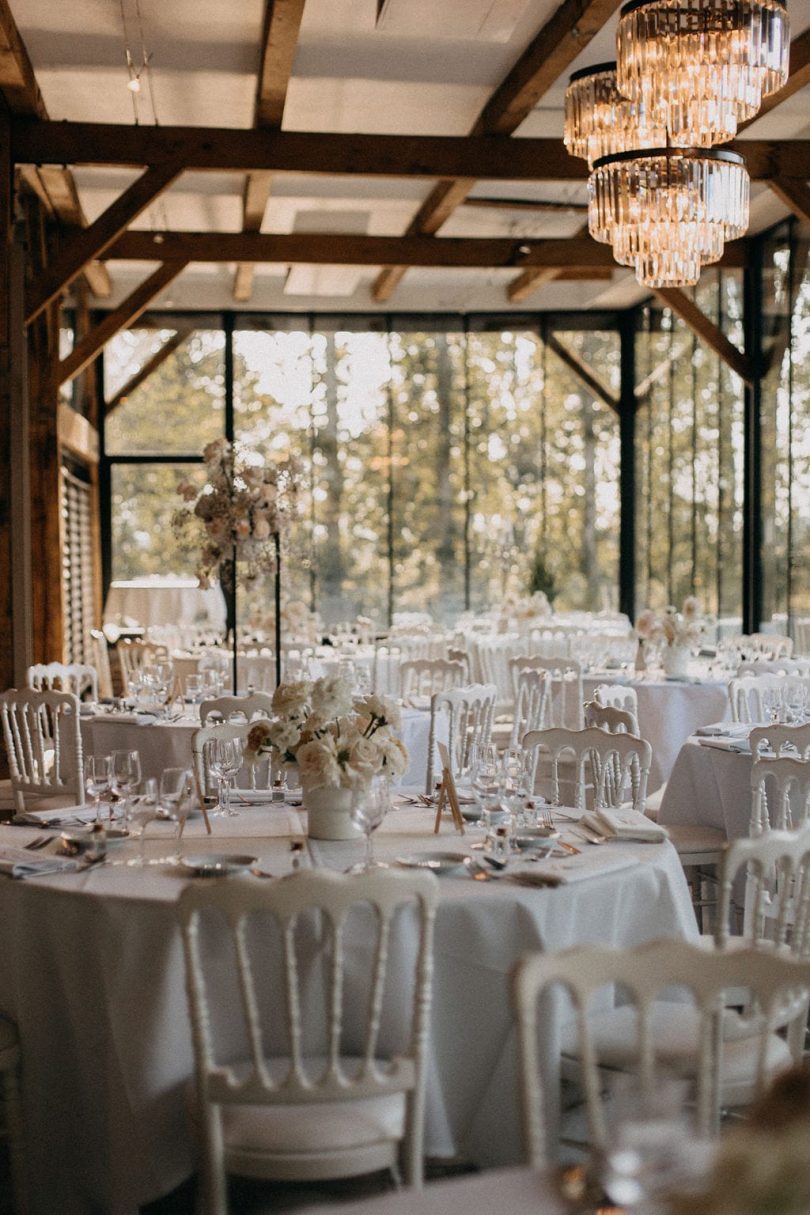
{"x":569,"y":870}
{"x":19,"y":863}
{"x":140,"y":719}
{"x":253,"y":797}
{"x":740,"y":745}
{"x":55,"y":818}
{"x":625,"y":824}
{"x":729,"y":729}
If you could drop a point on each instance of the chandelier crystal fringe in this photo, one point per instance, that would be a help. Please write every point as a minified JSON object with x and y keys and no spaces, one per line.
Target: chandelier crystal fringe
{"x":688,"y":72}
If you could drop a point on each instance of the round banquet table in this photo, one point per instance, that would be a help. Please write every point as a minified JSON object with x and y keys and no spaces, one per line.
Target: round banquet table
{"x":92,"y":970}
{"x":509,"y":1191}
{"x":710,"y":786}
{"x":167,"y":744}
{"x":669,"y":710}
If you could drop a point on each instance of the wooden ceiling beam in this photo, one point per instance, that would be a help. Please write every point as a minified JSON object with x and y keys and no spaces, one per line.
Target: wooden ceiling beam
{"x":566,"y":33}
{"x":706,"y":330}
{"x":352,"y":249}
{"x":794,"y":193}
{"x":583,"y":372}
{"x":85,"y":351}
{"x":84,"y":244}
{"x":282,"y":22}
{"x":151,"y":365}
{"x":227,"y":150}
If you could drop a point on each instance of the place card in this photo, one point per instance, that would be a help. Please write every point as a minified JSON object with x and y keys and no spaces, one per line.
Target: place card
{"x":448,"y":794}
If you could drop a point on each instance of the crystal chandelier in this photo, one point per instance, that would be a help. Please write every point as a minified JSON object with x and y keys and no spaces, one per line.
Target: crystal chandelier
{"x":689,"y":71}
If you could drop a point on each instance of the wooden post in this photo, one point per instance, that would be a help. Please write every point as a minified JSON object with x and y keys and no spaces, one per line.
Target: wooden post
{"x":6,"y":429}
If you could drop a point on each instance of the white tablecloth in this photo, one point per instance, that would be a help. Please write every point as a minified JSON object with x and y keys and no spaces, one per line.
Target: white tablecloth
{"x":669,"y":711}
{"x":507,"y":1191}
{"x":92,"y":970}
{"x":711,"y":787}
{"x":168,"y":744}
{"x":165,"y":601}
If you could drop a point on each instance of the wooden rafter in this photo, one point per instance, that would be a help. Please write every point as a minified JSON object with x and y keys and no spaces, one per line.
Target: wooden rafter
{"x":85,"y":244}
{"x":350,"y":249}
{"x":229,"y":150}
{"x":526,"y":204}
{"x":582,"y":372}
{"x":125,"y":314}
{"x":282,"y":21}
{"x":55,"y":186}
{"x":531,"y":280}
{"x":557,"y":45}
{"x":706,"y":330}
{"x":151,"y":365}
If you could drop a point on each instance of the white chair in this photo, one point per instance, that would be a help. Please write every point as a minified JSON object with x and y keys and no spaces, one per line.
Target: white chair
{"x":76,"y":677}
{"x":780,"y":794}
{"x":421,"y":678}
{"x":101,"y":661}
{"x":495,"y":657}
{"x":255,"y":672}
{"x":610,"y":718}
{"x":44,"y":747}
{"x":133,"y":655}
{"x":470,"y":713}
{"x":532,"y":704}
{"x":566,"y":691}
{"x":754,"y":697}
{"x":615,"y":762}
{"x":781,"y":740}
{"x":764,"y":645}
{"x":12,"y":1105}
{"x":345,"y":1100}
{"x":259,"y":704}
{"x":618,"y":696}
{"x":459,"y":654}
{"x":728,"y":1058}
{"x":250,"y":776}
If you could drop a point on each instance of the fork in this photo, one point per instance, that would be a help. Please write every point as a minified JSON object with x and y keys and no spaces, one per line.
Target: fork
{"x":38,"y":842}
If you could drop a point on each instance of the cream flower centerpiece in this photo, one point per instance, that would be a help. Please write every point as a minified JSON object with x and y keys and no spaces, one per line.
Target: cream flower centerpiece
{"x":677,"y":632}
{"x":338,"y":742}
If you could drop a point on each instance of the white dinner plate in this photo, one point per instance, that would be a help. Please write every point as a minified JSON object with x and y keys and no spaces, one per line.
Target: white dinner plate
{"x":436,"y":862}
{"x":217,"y":864}
{"x":528,"y":838}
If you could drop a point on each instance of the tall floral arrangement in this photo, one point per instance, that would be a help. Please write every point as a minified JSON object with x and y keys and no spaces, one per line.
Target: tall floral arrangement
{"x":244,"y":506}
{"x":673,"y":627}
{"x":336,"y":741}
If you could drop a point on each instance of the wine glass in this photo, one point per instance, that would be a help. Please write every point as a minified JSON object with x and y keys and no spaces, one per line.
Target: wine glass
{"x":225,"y":760}
{"x":195,"y":689}
{"x":173,"y":782}
{"x":370,"y":803}
{"x":144,"y":809}
{"x":97,"y":779}
{"x":125,"y":776}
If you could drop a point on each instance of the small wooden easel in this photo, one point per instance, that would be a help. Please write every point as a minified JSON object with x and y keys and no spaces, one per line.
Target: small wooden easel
{"x":447,"y":794}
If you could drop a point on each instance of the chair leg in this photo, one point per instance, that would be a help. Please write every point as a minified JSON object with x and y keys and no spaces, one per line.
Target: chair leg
{"x":14,"y":1123}
{"x":212,"y":1191}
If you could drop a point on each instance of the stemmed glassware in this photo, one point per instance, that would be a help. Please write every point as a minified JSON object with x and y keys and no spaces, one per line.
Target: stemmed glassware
{"x":225,"y":760}
{"x":125,"y":776}
{"x":144,"y":810}
{"x":371,"y":801}
{"x":97,"y":779}
{"x":173,"y":782}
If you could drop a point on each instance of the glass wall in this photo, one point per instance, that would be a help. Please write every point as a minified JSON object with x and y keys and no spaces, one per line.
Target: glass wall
{"x":443,"y":462}
{"x":785,"y":428}
{"x":690,"y":458}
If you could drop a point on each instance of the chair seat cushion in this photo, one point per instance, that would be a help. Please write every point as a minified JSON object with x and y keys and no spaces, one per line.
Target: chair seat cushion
{"x":675,"y":1030}
{"x":694,"y":837}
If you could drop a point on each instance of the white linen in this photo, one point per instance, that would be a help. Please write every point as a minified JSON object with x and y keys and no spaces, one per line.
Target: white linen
{"x":92,"y":970}
{"x":625,"y":824}
{"x":507,"y":1191}
{"x":710,"y":786}
{"x":19,"y":863}
{"x":164,"y":601}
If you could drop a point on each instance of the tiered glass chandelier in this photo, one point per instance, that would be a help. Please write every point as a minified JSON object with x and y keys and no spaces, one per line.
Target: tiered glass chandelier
{"x":687,"y":74}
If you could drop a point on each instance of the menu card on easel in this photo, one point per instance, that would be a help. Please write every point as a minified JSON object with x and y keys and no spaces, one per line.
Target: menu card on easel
{"x":448,"y":795}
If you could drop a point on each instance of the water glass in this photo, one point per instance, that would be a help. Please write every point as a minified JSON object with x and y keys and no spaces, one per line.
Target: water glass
{"x":125,"y":776}
{"x":97,"y":779}
{"x":173,"y":783}
{"x":225,"y":760}
{"x":144,"y":809}
{"x":195,"y":689}
{"x":370,"y":803}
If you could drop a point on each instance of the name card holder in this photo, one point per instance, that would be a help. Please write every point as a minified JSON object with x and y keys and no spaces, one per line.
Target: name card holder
{"x":448,"y":795}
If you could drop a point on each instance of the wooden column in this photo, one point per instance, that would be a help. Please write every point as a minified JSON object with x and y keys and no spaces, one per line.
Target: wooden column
{"x":6,"y":461}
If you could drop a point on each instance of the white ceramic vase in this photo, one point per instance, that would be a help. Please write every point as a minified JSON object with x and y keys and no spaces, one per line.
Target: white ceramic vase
{"x":329,"y":814}
{"x":676,"y":659}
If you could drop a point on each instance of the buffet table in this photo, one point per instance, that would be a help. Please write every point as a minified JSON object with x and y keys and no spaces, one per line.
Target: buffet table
{"x":93,"y":973}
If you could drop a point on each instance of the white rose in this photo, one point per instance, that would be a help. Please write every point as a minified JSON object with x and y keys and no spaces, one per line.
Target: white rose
{"x":284,"y":734}
{"x":331,"y":697}
{"x":365,"y":754}
{"x":291,"y":699}
{"x":318,"y":765}
{"x":394,"y":756}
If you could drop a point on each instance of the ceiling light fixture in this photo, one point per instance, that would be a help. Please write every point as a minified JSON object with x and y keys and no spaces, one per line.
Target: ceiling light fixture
{"x":688,"y":72}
